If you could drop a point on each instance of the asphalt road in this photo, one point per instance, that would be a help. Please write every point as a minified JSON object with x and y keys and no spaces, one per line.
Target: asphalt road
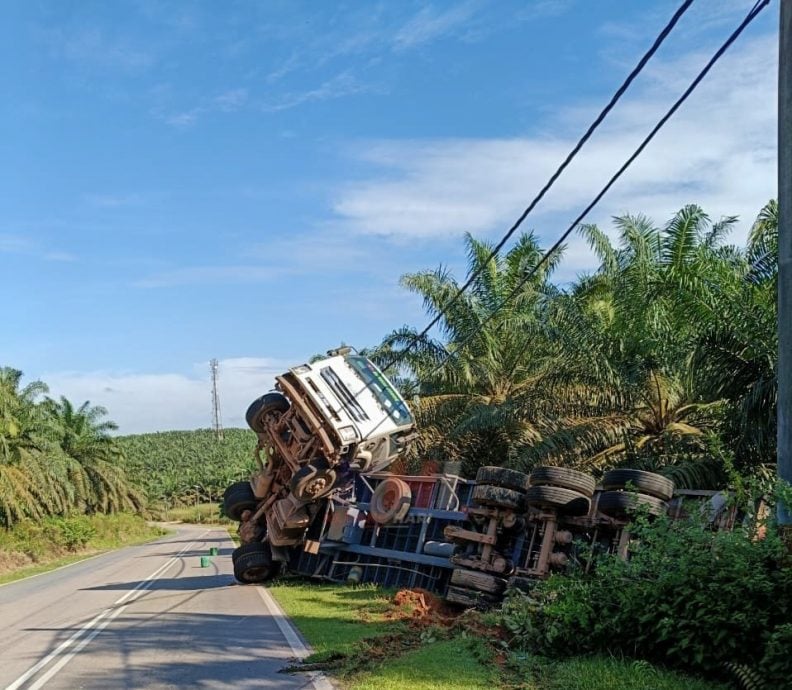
{"x":146,"y":617}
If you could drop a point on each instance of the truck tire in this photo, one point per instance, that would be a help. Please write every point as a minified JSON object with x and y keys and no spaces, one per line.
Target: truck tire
{"x":565,"y":501}
{"x":237,"y":499}
{"x":260,"y":408}
{"x":619,"y":503}
{"x":564,"y":478}
{"x":498,"y":497}
{"x":481,"y":582}
{"x":470,"y":598}
{"x":310,"y":483}
{"x":253,"y":563}
{"x":649,"y":483}
{"x":500,"y":476}
{"x":390,"y":501}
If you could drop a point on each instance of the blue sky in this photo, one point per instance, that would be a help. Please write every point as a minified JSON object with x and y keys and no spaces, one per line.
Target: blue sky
{"x":248,"y":181}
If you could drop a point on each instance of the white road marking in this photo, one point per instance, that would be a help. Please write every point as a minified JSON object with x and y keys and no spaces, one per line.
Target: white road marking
{"x":68,"y":657}
{"x":108,"y":615}
{"x":320,"y":681}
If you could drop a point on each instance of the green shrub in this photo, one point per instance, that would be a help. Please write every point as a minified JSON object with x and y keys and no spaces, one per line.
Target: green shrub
{"x":688,"y":597}
{"x":75,"y":532}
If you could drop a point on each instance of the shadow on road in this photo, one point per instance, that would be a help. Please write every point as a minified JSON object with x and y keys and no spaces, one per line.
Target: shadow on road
{"x":179,"y":650}
{"x":181,"y":584}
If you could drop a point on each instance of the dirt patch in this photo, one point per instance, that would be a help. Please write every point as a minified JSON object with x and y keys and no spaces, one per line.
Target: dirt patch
{"x":421,"y":605}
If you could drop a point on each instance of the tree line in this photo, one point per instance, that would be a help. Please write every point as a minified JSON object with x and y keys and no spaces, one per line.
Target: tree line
{"x":663,"y":358}
{"x":57,"y":458}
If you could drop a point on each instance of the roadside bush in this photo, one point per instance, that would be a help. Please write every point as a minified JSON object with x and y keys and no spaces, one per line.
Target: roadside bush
{"x":75,"y":532}
{"x":688,"y":597}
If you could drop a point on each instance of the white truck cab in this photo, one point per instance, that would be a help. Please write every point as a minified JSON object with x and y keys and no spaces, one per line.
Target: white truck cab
{"x":324,"y":421}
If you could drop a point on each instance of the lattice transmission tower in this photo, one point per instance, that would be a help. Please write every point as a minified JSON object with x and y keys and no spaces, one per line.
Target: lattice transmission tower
{"x":217,"y":420}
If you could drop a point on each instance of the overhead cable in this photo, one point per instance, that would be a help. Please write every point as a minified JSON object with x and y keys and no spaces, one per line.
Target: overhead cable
{"x":755,"y":11}
{"x":570,"y":156}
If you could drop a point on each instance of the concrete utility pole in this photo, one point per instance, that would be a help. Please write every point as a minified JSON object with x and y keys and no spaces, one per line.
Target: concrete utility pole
{"x":785,"y":255}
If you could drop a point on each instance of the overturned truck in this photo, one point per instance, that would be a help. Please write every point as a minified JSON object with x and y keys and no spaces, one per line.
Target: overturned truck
{"x":325,"y":422}
{"x":321,"y":502}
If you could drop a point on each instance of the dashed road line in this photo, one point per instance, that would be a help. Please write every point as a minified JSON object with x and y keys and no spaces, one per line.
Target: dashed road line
{"x":93,"y":627}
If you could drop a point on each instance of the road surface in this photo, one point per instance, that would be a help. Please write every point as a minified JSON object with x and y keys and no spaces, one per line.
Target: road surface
{"x":145,"y":617}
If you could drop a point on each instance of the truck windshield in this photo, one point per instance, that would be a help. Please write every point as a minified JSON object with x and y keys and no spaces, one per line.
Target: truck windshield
{"x":382,"y":389}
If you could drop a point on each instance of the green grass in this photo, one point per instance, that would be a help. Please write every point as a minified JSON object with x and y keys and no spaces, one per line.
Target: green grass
{"x":444,"y":665}
{"x":606,"y":673}
{"x":335,"y":619}
{"x":30,"y":548}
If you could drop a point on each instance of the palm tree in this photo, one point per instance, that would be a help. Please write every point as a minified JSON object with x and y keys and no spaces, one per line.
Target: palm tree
{"x":477,"y":385}
{"x":84,"y":436}
{"x":650,"y":333}
{"x":33,"y":471}
{"x":735,"y":355}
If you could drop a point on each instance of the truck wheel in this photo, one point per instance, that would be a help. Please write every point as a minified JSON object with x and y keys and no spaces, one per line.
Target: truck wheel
{"x":261,"y":408}
{"x":470,"y":598}
{"x":620,"y":503}
{"x":564,"y":500}
{"x":564,"y":478}
{"x":237,"y":499}
{"x":390,"y":501}
{"x":498,"y":497}
{"x":648,"y":483}
{"x":253,"y":563}
{"x":481,"y":582}
{"x":501,"y":476}
{"x":310,"y":483}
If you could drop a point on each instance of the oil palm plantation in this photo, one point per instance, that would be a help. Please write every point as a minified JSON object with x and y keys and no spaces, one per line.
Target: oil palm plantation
{"x":47,"y":470}
{"x":680,"y":331}
{"x":663,"y":357}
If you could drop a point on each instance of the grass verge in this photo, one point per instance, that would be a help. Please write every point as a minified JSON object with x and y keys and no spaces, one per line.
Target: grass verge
{"x":30,"y":548}
{"x":369,"y":643}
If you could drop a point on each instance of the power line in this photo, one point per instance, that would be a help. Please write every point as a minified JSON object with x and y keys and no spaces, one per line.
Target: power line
{"x":570,"y":156}
{"x":754,"y":12}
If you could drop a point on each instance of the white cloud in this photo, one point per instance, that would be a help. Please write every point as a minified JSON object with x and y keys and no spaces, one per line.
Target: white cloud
{"x":95,"y":47}
{"x":718,"y":151}
{"x":14,"y":244}
{"x":231,"y":100}
{"x":344,"y":84}
{"x":430,"y":24}
{"x":27,"y":246}
{"x":141,"y":402}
